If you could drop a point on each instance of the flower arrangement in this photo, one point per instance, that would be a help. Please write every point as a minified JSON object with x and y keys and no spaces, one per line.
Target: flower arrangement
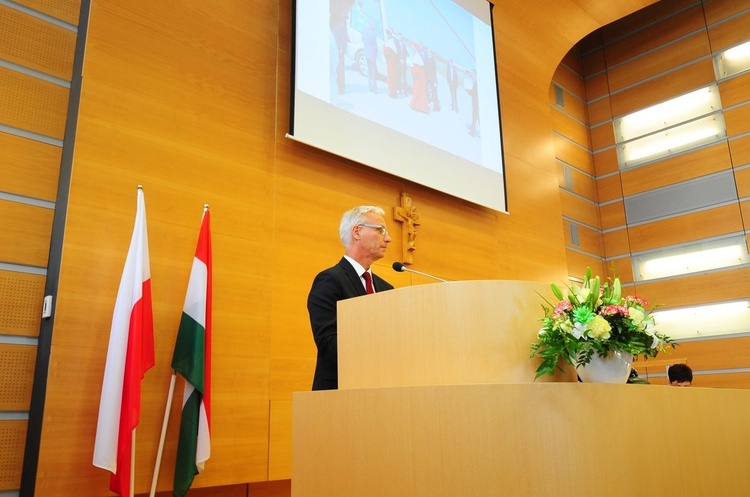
{"x":595,"y":318}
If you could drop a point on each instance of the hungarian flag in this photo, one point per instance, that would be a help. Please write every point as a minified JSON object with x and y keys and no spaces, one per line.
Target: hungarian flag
{"x":130,"y":355}
{"x":192,"y":359}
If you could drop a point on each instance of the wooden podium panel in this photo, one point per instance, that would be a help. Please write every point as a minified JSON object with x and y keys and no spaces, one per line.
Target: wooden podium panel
{"x":441,"y":334}
{"x":524,"y":440}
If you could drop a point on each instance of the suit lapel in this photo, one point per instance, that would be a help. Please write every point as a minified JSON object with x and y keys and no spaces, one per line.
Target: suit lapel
{"x":351,"y":275}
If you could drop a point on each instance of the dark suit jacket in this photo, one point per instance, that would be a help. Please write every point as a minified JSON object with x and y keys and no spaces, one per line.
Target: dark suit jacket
{"x":337,"y":283}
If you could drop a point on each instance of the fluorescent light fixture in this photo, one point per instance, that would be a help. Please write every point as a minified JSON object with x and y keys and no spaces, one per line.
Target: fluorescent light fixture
{"x":684,"y":137}
{"x":668,"y":113}
{"x":732,"y":61}
{"x":704,"y":256}
{"x":727,"y":318}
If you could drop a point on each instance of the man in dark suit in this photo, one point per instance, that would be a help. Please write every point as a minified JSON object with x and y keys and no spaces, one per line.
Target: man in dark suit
{"x":365,"y":236}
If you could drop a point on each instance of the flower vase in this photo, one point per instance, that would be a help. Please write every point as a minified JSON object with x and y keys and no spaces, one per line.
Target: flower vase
{"x":614,"y":368}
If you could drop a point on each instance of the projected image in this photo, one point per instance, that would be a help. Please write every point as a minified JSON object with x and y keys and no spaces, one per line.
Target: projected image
{"x":412,"y":67}
{"x":404,"y":86}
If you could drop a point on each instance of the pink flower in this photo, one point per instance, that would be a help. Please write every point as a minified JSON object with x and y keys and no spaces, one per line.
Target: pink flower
{"x":637,"y":300}
{"x":613,"y":310}
{"x":561,"y":307}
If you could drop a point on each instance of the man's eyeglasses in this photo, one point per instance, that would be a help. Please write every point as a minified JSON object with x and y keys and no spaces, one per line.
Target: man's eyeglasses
{"x":378,"y":227}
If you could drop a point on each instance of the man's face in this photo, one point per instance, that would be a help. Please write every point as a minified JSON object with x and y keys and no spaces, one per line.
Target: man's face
{"x":372,"y":241}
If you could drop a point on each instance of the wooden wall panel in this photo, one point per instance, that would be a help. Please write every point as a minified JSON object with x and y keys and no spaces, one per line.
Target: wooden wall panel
{"x":280,"y":449}
{"x":583,"y":184}
{"x":742,"y":178}
{"x":602,"y":136}
{"x":599,"y":111}
{"x":656,"y":35}
{"x":621,"y":267}
{"x":578,"y":263}
{"x":16,"y":376}
{"x":739,"y":148}
{"x":572,"y":105}
{"x":48,"y":48}
{"x":673,"y":170}
{"x":689,"y":227}
{"x":612,"y":215}
{"x":723,"y":380}
{"x":25,"y":236}
{"x":65,"y":10}
{"x":733,"y":284}
{"x":579,"y":209}
{"x":737,"y":120}
{"x":589,"y":240}
{"x":718,"y":353}
{"x":569,"y":79}
{"x":729,"y":33}
{"x":12,"y":440}
{"x":21,"y":297}
{"x":734,"y":91}
{"x":570,"y":128}
{"x":30,"y":168}
{"x":597,"y":86}
{"x":657,"y":90}
{"x":666,"y":58}
{"x":571,"y":61}
{"x":574,"y":154}
{"x":592,"y":60}
{"x":221,"y":491}
{"x":32,"y":104}
{"x":644,"y":17}
{"x":609,"y":188}
{"x":616,"y":242}
{"x":718,"y":11}
{"x":605,"y":161}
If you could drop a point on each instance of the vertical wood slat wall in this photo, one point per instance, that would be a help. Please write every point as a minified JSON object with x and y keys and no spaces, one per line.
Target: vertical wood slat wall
{"x":653,"y":55}
{"x":37,"y":45}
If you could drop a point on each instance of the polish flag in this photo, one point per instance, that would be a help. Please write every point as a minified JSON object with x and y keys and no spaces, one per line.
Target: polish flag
{"x":130,"y":355}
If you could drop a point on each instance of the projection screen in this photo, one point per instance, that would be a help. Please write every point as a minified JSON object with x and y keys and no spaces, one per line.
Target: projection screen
{"x":404,"y":86}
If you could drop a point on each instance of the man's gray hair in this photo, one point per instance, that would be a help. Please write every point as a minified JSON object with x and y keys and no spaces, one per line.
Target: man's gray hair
{"x":354,"y":217}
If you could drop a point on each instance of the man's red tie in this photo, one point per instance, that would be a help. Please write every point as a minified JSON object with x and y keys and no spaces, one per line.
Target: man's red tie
{"x":368,"y":282}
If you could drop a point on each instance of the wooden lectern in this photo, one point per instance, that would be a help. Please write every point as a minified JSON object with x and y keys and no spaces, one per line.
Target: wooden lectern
{"x":454,"y":333}
{"x":437,"y":399}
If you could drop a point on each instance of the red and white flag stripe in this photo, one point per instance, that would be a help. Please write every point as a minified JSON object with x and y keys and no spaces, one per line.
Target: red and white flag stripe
{"x":130,"y":355}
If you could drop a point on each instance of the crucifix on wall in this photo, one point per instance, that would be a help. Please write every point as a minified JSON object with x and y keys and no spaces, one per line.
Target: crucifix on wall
{"x":407,"y":215}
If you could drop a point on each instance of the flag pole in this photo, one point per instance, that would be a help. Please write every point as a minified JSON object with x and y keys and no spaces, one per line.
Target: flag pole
{"x":132,"y":440}
{"x":132,"y":460}
{"x":157,"y":464}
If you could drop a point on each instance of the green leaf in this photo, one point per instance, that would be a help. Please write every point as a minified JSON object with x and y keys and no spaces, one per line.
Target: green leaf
{"x":556,"y":291}
{"x":594,"y":295}
{"x":616,"y":290}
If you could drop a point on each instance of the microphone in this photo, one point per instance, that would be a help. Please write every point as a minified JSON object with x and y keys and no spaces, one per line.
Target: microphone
{"x":400,"y":267}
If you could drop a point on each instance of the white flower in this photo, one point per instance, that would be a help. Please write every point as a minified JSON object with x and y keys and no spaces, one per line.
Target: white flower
{"x":636,"y":315}
{"x":541,"y":332}
{"x":581,"y":293}
{"x":600,"y":328}
{"x":579,"y":330}
{"x":656,"y":342}
{"x":650,"y":328}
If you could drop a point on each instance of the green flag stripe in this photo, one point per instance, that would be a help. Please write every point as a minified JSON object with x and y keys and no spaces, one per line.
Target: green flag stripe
{"x":189,"y":351}
{"x":185,"y":468}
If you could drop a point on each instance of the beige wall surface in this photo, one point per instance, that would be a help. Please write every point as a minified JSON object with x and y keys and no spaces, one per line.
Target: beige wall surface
{"x":191,"y":100}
